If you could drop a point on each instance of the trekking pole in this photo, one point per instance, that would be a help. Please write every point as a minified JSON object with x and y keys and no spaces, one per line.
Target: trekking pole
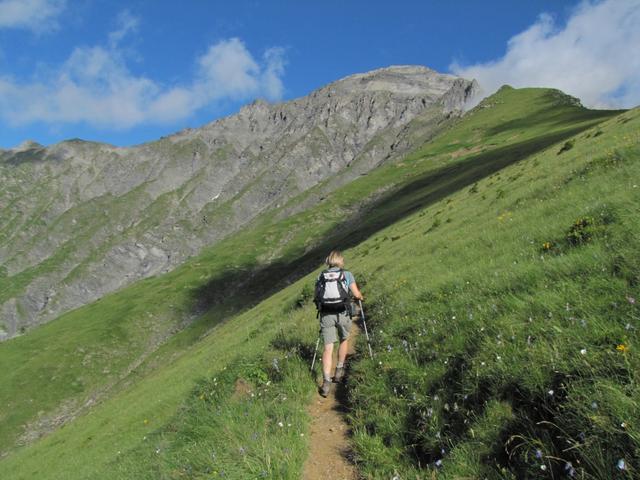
{"x":315,"y":353}
{"x":366,"y":332}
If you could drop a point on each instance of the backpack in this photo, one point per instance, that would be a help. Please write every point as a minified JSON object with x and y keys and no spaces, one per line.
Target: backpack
{"x":331,"y":294}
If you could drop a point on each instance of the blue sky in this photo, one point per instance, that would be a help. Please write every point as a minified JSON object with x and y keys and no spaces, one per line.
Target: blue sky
{"x":129,"y":72}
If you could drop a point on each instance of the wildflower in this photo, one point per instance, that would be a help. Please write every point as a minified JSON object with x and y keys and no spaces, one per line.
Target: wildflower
{"x":389,"y":348}
{"x":622,"y":465}
{"x":568,"y":468}
{"x":280,"y":424}
{"x":551,"y":392}
{"x":622,"y":348}
{"x":543,"y":468}
{"x":594,"y":405}
{"x":583,"y":351}
{"x":438,"y":463}
{"x":631,"y":300}
{"x":624,"y":425}
{"x":145,"y":421}
{"x":538,"y":453}
{"x":546,"y":246}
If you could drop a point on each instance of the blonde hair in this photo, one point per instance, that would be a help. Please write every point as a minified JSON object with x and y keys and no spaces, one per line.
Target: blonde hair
{"x":335,"y":259}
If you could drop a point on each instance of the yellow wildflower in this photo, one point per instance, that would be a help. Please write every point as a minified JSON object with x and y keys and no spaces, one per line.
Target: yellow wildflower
{"x":622,"y":348}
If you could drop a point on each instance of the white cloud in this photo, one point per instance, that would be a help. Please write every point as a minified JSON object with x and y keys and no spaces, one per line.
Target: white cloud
{"x":275,"y":61}
{"x":593,"y":57}
{"x":36,"y":15}
{"x":95,"y":86}
{"x":127,"y":23}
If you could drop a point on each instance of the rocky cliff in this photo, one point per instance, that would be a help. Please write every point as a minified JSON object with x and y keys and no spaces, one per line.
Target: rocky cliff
{"x":81,"y":219}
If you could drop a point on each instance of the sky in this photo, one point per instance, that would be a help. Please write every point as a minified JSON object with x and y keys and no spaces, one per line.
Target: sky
{"x":127,"y":72}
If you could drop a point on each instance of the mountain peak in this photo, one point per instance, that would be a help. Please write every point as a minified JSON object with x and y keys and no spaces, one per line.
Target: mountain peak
{"x":27,"y":145}
{"x":398,"y":79}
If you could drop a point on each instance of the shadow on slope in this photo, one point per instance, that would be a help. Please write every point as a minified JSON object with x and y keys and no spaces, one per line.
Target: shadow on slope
{"x":240,"y":289}
{"x":551,"y":118}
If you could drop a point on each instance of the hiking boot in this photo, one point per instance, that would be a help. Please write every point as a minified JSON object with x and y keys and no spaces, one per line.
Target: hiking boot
{"x":325,"y":388}
{"x":339,"y":374}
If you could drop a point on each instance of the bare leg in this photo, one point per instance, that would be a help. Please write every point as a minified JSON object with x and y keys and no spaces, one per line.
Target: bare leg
{"x":342,"y":351}
{"x":327,"y":359}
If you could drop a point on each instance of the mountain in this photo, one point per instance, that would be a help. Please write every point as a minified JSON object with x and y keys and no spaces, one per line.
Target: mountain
{"x":81,"y":219}
{"x":499,"y":262}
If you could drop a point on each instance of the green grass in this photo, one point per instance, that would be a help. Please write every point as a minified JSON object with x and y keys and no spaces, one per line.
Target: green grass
{"x":463,"y":207}
{"x":508,"y":331}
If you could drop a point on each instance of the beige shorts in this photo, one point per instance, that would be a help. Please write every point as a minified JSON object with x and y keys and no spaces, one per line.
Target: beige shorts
{"x":333,"y":325}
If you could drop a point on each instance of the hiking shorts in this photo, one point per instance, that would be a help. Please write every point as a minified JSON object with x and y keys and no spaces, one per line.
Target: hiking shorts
{"x":333,"y":325}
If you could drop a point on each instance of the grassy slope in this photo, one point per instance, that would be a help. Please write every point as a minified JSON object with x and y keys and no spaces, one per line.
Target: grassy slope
{"x":444,"y":166}
{"x":506,"y":324}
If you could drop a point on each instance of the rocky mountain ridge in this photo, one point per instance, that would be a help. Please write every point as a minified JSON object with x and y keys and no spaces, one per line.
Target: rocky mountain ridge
{"x":81,"y":219}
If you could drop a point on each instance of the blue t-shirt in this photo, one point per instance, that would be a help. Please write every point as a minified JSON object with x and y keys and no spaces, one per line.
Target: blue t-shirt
{"x":348,"y":277}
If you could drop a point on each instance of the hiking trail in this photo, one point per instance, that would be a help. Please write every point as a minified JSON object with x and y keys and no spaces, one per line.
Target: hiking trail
{"x":329,"y":442}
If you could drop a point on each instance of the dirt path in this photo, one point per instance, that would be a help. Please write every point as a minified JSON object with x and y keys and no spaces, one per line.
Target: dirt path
{"x":329,"y":439}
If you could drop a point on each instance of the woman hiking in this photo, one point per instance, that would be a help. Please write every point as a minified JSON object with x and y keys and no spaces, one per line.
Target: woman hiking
{"x":334,"y":310}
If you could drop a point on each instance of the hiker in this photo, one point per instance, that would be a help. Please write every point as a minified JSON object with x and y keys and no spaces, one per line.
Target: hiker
{"x":334,"y":310}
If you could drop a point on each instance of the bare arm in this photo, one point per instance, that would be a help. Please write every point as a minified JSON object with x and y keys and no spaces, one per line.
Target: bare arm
{"x":356,"y":291}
